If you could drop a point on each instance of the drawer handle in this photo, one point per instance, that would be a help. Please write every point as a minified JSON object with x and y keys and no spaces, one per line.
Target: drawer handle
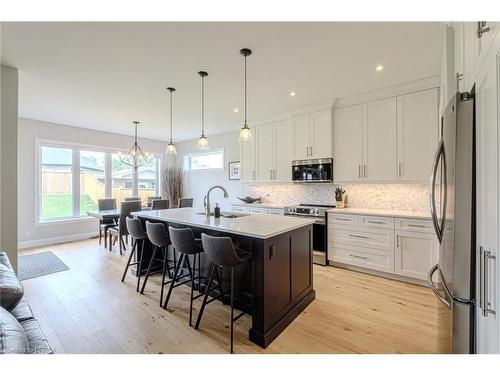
{"x":375,"y":222}
{"x":416,"y":225}
{"x":341,"y":219}
{"x":358,"y":256}
{"x":358,"y":236}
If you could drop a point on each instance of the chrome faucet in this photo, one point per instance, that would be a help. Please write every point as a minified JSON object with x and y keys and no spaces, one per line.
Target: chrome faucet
{"x":206,"y":200}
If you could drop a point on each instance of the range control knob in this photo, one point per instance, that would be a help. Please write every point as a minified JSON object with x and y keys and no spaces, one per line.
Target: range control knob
{"x":316,"y":211}
{"x":291,"y":210}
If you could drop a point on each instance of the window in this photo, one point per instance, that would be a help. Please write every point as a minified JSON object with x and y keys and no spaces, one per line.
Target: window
{"x":56,"y":183}
{"x":72,"y":179}
{"x":204,"y":160}
{"x":92,"y":179}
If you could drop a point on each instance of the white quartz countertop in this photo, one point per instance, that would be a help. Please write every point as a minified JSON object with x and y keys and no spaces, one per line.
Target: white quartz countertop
{"x":262,"y":205}
{"x":381,"y":212}
{"x":252,"y":225}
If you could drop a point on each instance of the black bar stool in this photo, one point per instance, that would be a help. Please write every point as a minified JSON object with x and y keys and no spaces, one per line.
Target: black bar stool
{"x":221,"y":252}
{"x":134,"y":228}
{"x":158,"y":236}
{"x":184,"y":242}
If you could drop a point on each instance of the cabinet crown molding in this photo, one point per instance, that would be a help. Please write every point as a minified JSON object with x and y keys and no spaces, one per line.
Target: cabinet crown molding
{"x":388,"y":92}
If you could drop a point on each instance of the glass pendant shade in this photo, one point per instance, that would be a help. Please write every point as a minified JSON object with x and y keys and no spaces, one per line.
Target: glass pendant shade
{"x":245,"y":134}
{"x":203,"y":143}
{"x":171,"y":150}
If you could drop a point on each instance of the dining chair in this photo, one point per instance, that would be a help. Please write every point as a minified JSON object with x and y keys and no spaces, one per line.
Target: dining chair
{"x":129,"y":199}
{"x":160,"y":204}
{"x":117,"y":232}
{"x":185,"y":202}
{"x":104,"y":225}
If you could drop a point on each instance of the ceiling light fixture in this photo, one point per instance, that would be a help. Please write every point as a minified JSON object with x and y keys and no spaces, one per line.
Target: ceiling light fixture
{"x":135,"y":157}
{"x":236,"y":110}
{"x":293,"y":93}
{"x":379,"y":68}
{"x":245,"y":133}
{"x":203,"y":141}
{"x":171,"y":150}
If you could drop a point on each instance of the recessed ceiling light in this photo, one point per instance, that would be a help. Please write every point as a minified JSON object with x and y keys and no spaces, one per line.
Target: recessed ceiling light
{"x":236,"y":110}
{"x":293,"y":93}
{"x":379,"y":68}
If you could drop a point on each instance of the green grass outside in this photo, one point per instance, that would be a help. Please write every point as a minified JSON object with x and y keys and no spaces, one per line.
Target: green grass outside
{"x":61,"y":205}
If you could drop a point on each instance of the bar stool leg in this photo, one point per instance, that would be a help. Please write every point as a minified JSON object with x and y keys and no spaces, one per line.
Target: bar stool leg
{"x":219,"y":284}
{"x":139,"y":266}
{"x":149,"y":269}
{"x":165,"y":261}
{"x":232,"y":307}
{"x":128,"y":262}
{"x":100,"y":235}
{"x":205,"y":297}
{"x":177,"y":267}
{"x":192,"y":290}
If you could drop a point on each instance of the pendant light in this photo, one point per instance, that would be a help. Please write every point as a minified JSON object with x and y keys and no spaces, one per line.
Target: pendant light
{"x":135,"y":157}
{"x":203,"y":141}
{"x":171,"y":150}
{"x":245,"y":133}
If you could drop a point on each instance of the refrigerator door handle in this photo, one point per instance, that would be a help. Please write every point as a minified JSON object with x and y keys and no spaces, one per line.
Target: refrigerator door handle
{"x":432,"y":194}
{"x":435,"y":289}
{"x":487,"y":255}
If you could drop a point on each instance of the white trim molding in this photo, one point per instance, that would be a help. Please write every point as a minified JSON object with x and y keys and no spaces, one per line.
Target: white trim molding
{"x":56,"y":240}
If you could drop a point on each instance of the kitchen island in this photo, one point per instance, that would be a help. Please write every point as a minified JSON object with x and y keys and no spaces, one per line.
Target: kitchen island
{"x":278,"y":283}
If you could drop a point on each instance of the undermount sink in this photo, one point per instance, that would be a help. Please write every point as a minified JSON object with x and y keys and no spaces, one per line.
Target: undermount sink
{"x":227,"y":215}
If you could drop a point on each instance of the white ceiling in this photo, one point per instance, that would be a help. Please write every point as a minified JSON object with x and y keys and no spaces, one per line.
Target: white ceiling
{"x":104,"y":75}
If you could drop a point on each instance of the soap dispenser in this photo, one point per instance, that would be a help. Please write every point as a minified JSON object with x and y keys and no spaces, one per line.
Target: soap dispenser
{"x":217,"y":211}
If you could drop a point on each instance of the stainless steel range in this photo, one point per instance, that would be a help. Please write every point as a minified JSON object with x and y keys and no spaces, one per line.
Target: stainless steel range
{"x":320,"y":240}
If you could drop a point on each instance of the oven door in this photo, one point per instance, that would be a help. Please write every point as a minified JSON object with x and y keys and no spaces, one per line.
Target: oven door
{"x":318,"y":170}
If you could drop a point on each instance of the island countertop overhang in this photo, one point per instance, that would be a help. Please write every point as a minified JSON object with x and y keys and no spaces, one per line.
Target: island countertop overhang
{"x":252,"y":225}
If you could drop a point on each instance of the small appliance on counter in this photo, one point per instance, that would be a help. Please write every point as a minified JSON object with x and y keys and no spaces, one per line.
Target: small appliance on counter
{"x":320,"y":240}
{"x":316,"y":170}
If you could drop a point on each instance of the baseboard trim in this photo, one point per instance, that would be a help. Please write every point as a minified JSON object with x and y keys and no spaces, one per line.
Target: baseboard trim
{"x":55,"y":240}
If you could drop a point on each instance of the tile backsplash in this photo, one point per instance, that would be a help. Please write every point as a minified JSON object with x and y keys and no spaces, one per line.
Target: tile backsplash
{"x":407,"y":197}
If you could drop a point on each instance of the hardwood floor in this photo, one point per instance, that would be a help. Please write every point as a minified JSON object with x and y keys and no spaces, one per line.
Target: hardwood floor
{"x":88,"y":310}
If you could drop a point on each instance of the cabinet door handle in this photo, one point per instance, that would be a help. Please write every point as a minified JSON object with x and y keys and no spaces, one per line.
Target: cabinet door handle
{"x":486,"y":304}
{"x":359,"y":170}
{"x":358,"y":236}
{"x":416,"y":225}
{"x":481,"y":29}
{"x":307,"y":150}
{"x":272,"y":251}
{"x":397,"y":241}
{"x":254,"y":175}
{"x":364,"y":170}
{"x":375,"y":222}
{"x":270,"y":174}
{"x":311,"y":150}
{"x":357,"y":256}
{"x":399,"y":169}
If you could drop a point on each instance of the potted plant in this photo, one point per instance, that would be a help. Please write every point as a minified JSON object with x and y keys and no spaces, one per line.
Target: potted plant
{"x":339,"y":197}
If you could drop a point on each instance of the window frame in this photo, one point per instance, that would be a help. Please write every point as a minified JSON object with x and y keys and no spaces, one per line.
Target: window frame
{"x":75,"y":188}
{"x":199,"y":153}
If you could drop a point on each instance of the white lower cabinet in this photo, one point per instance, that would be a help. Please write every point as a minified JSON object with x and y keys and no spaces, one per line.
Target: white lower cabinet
{"x":400,"y":246}
{"x":415,"y":254}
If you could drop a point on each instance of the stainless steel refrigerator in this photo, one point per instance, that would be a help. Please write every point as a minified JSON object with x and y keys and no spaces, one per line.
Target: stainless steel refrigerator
{"x":452,"y":204}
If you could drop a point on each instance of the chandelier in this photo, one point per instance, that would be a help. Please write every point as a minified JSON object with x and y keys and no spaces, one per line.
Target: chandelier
{"x":135,"y":156}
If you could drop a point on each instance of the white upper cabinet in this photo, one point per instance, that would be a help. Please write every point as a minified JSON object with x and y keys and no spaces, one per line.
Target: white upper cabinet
{"x":312,"y":135}
{"x":247,"y":161}
{"x":320,"y":135}
{"x":485,"y":32}
{"x":418,"y":131}
{"x":283,"y":151}
{"x":348,"y":144}
{"x":265,"y":152}
{"x":269,"y":157}
{"x":379,"y":140}
{"x":301,"y":137}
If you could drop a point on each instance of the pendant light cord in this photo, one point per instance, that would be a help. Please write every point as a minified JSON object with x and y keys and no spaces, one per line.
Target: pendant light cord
{"x":202,"y":106}
{"x":171,"y":115}
{"x":245,"y":90}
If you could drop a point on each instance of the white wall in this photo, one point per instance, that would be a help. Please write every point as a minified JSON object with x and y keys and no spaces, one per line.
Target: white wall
{"x":197,"y":183}
{"x":8,"y":162}
{"x":32,"y":233}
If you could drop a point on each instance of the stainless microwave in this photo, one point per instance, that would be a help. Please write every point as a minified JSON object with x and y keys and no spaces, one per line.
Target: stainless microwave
{"x":315,"y":170}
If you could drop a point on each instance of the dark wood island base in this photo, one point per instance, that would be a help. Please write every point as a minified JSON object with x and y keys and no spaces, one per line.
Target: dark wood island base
{"x":279,"y":279}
